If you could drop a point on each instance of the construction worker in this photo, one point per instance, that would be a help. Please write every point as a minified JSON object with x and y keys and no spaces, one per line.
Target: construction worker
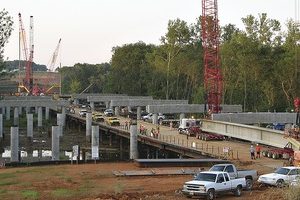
{"x":252,"y":152}
{"x":258,"y":150}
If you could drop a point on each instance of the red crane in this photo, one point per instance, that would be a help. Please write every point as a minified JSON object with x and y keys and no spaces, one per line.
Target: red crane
{"x":27,"y":82}
{"x":213,"y":81}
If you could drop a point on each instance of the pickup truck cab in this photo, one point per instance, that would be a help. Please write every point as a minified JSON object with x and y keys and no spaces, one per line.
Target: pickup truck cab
{"x":283,"y":175}
{"x":209,"y":183}
{"x":249,"y":175}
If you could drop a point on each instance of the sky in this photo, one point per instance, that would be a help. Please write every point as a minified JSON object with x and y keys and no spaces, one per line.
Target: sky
{"x":89,"y":29}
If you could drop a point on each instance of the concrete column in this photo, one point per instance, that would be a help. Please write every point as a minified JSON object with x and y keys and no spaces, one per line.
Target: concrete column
{"x":154,"y":118}
{"x":16,"y":116}
{"x":117,"y":109}
{"x":7,"y":112}
{"x":20,"y":110}
{"x":133,"y":142}
{"x":14,"y":144}
{"x":47,"y":113}
{"x":40,"y":117}
{"x":92,"y":105}
{"x":107,"y":104}
{"x":63,"y":112}
{"x":181,"y":116}
{"x":29,"y":125}
{"x":129,"y":108}
{"x":1,"y":126}
{"x":27,"y":109}
{"x":55,"y":142}
{"x":3,"y":110}
{"x":121,"y":148}
{"x":36,"y":110}
{"x":139,"y":112}
{"x":95,"y":140}
{"x":88,"y":125}
{"x":76,"y":101}
{"x":60,"y":123}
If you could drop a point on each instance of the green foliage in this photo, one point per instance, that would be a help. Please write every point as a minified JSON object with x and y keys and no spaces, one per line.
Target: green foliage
{"x":30,"y":194}
{"x":6,"y":24}
{"x":260,"y":66}
{"x":62,"y":193}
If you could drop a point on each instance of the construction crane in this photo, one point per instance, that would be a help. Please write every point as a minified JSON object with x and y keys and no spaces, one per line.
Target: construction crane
{"x":27,"y":82}
{"x":51,"y":65}
{"x":213,"y":81}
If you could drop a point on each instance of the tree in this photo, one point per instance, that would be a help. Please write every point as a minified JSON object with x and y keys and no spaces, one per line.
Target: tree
{"x":6,"y":24}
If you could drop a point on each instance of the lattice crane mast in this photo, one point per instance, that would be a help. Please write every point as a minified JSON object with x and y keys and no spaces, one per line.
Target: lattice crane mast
{"x":27,"y":82}
{"x":213,"y":81}
{"x":50,"y":80}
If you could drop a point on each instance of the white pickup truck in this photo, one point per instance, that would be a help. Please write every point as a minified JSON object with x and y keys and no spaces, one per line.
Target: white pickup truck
{"x":209,"y":183}
{"x":283,"y":175}
{"x":249,"y":175}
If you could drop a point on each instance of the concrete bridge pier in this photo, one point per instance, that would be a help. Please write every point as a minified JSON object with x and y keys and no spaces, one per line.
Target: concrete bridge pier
{"x":47,"y":113}
{"x":36,"y":109}
{"x":117,"y":109}
{"x":92,"y":105}
{"x":121,"y":148}
{"x":133,"y":141}
{"x":129,"y":108}
{"x":40,"y":116}
{"x":60,"y":123}
{"x":110,"y":139}
{"x":20,"y":110}
{"x":1,"y":126}
{"x":155,"y":118}
{"x":7,"y":112}
{"x":139,"y":112}
{"x":2,"y":110}
{"x":63,"y":112}
{"x":55,"y":142}
{"x":29,"y":125}
{"x":107,"y":104}
{"x":88,"y":126}
{"x":95,"y":140}
{"x":181,"y":116}
{"x":16,"y":116}
{"x":27,"y":109}
{"x":14,"y":144}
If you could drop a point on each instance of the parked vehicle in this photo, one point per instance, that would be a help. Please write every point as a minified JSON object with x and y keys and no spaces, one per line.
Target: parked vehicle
{"x":282,"y":176}
{"x":276,"y":153}
{"x":249,"y":175}
{"x":98,"y":117}
{"x":296,"y":182}
{"x":189,"y":126}
{"x":108,"y":112}
{"x":82,"y":112}
{"x":209,"y":136}
{"x":209,"y":183}
{"x":148,"y":117}
{"x":113,"y":121}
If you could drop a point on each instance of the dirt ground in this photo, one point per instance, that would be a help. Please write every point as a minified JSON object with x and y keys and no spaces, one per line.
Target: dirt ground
{"x":96,"y":181}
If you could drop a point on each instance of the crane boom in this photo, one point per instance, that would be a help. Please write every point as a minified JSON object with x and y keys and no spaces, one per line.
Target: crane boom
{"x":213,"y":81}
{"x":54,"y":56}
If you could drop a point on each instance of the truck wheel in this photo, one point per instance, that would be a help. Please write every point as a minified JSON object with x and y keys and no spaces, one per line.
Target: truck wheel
{"x":280,"y":183}
{"x":238,"y":191}
{"x":270,"y":155}
{"x":275,"y":156}
{"x":249,"y":184}
{"x":211,"y":194}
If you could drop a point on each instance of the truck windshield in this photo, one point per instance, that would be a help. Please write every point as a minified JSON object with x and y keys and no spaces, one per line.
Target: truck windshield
{"x":206,"y":177}
{"x":217,"y":168}
{"x":283,"y":171}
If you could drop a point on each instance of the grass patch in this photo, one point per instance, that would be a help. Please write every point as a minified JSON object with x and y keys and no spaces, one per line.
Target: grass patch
{"x":7,"y":175}
{"x":119,"y":187}
{"x":7,"y":182}
{"x":2,"y":191}
{"x":30,"y":194}
{"x":62,"y":193}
